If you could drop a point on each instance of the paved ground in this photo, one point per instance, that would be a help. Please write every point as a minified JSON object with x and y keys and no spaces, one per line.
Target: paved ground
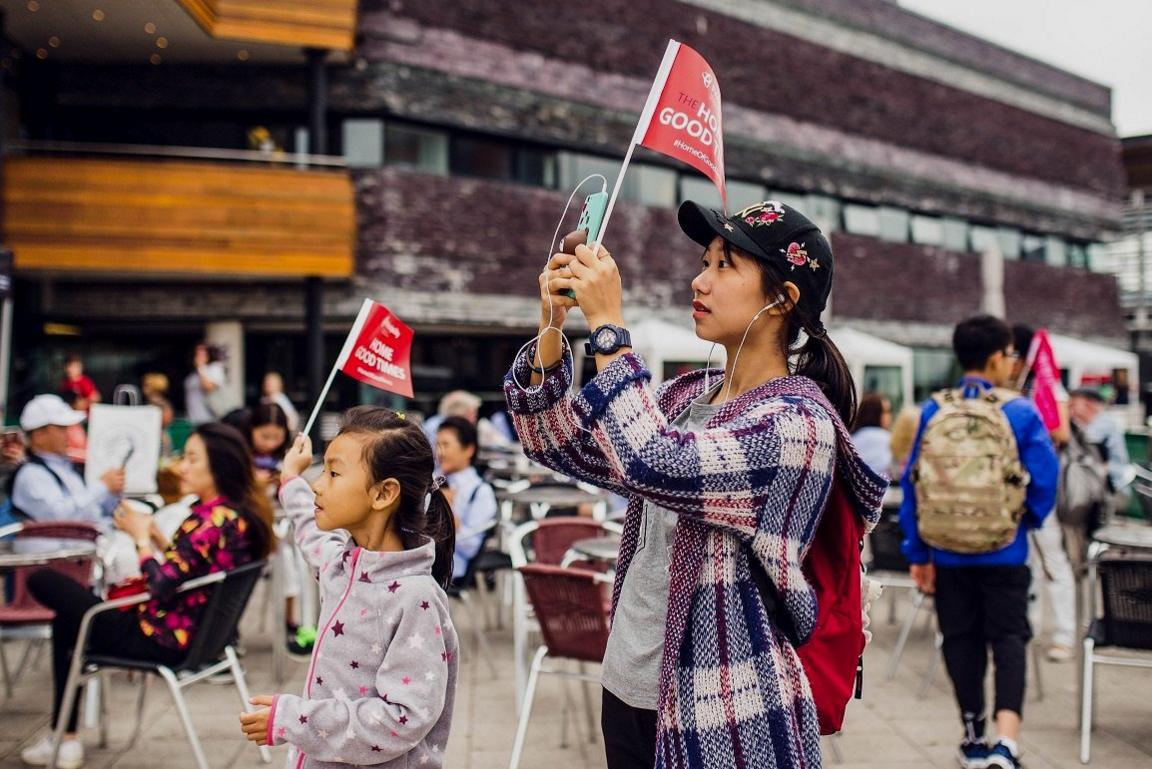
{"x":891,"y":728}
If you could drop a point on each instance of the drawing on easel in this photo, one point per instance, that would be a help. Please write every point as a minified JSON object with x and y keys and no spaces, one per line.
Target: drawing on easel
{"x":128,"y":437}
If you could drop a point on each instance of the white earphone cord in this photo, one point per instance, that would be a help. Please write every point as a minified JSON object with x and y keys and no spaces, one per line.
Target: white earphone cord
{"x":736,"y":359}
{"x":551,"y":309}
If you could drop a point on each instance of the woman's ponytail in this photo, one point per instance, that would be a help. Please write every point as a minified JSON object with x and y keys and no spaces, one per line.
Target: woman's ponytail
{"x":821,"y":361}
{"x":440,"y":525}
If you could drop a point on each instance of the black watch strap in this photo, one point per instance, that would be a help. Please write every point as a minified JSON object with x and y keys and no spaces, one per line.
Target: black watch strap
{"x":623,"y":339}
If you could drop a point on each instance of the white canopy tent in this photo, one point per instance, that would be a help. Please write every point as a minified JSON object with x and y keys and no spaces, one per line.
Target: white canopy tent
{"x":1088,"y":363}
{"x":868,"y":356}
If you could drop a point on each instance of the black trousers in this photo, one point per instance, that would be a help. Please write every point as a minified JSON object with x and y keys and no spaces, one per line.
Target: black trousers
{"x":114,"y":633}
{"x":629,"y":734}
{"x":980,"y":607}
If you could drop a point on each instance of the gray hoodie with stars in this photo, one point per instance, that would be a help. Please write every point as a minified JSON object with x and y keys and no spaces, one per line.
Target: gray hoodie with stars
{"x":382,"y":679}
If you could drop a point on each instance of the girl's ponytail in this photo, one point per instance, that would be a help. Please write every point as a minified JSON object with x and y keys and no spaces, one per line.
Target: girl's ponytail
{"x":440,"y":525}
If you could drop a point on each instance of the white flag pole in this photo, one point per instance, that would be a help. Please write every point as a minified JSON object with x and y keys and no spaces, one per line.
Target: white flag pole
{"x":638,"y":135}
{"x":349,"y":343}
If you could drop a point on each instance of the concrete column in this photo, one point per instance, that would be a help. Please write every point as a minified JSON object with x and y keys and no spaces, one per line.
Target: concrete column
{"x":992,"y":280}
{"x":228,"y":335}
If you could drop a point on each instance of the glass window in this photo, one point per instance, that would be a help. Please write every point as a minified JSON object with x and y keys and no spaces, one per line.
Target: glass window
{"x":861,"y":220}
{"x":535,"y":166}
{"x":893,"y":224}
{"x":420,"y":148}
{"x":482,"y":157}
{"x":363,"y":143}
{"x":955,"y":234}
{"x":655,"y":186}
{"x":1009,"y":242}
{"x":984,"y":238}
{"x":1095,"y":255}
{"x":743,"y":194}
{"x":886,"y":380}
{"x":700,"y":190}
{"x":1032,"y":248}
{"x":575,"y":167}
{"x":927,"y":230}
{"x":824,"y":212}
{"x":1077,"y":254}
{"x":933,"y":369}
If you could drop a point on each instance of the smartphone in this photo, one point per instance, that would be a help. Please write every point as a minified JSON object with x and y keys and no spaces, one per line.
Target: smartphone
{"x":587,"y":229}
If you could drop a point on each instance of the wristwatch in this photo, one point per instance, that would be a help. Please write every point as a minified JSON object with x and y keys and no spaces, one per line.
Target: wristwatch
{"x":607,"y":339}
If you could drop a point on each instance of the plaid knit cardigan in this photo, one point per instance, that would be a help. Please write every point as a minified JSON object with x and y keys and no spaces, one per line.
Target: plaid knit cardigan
{"x":732,"y":688}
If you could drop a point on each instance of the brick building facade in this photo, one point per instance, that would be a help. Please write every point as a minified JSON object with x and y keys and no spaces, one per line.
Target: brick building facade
{"x":917,"y":147}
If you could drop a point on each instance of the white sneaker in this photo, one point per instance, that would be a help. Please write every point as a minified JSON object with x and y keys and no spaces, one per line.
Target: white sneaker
{"x":71,"y":753}
{"x":1060,"y":653}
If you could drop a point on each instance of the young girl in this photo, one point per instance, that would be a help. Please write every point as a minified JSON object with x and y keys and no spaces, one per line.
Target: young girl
{"x":379,"y":533}
{"x":270,"y":438}
{"x":726,"y":471}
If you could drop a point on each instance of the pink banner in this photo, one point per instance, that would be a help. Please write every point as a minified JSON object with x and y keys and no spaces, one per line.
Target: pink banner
{"x":1047,"y":379}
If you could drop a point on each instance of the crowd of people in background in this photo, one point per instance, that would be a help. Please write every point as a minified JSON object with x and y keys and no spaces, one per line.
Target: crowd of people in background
{"x":231,"y":472}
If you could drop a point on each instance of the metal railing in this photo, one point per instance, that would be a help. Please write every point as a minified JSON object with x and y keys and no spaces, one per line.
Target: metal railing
{"x":300,"y":160}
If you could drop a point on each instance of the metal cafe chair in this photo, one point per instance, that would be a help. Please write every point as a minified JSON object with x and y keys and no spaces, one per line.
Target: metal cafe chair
{"x":550,"y":539}
{"x":230,"y":592}
{"x":1123,"y":587}
{"x":569,"y":607}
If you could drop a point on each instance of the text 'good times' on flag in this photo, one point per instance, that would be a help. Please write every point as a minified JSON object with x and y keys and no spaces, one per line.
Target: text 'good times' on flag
{"x":682,"y":117}
{"x":378,"y":349}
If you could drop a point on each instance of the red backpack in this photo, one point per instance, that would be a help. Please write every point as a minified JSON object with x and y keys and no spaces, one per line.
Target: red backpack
{"x":832,"y":655}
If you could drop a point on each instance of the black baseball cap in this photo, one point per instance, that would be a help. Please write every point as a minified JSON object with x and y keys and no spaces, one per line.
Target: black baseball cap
{"x":777,"y":235}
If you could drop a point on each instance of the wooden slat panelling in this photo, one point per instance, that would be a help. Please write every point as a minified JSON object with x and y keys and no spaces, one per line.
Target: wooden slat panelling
{"x":178,"y":217}
{"x":311,"y":23}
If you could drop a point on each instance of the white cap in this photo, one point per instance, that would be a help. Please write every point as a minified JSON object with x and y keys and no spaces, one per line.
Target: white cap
{"x":44,"y":410}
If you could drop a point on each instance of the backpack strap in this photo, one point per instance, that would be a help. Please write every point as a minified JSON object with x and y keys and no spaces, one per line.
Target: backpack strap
{"x":32,"y":459}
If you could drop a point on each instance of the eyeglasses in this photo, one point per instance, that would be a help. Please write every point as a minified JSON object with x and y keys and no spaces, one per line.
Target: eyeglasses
{"x":1012,"y":354}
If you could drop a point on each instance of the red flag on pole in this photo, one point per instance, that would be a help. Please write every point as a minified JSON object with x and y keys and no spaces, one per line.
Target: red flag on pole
{"x":1046,"y":382}
{"x":681,"y":119}
{"x":682,"y":116}
{"x":376,"y":352}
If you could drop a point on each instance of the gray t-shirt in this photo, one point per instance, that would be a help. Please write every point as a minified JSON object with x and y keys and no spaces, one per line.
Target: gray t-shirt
{"x":632,"y":658}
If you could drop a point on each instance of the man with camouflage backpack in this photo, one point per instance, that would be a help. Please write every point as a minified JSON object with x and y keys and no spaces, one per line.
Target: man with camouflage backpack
{"x":982,"y":472}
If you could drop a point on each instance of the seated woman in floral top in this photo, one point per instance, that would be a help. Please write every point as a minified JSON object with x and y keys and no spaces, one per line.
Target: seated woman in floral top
{"x":230,"y":525}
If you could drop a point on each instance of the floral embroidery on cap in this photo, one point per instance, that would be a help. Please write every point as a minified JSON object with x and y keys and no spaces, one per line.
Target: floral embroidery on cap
{"x":761,"y":214}
{"x":797,"y":255}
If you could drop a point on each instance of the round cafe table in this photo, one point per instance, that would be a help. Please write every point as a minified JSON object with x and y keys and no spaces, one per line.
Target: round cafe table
{"x":598,"y":548}
{"x":1130,"y":535}
{"x":552,"y":496}
{"x":539,"y":500}
{"x":40,"y":551}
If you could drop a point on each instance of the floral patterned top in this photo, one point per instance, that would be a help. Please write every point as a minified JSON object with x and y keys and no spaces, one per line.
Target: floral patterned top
{"x":214,"y":537}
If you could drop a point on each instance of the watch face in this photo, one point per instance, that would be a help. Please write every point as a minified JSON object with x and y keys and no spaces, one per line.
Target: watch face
{"x":606,"y":338}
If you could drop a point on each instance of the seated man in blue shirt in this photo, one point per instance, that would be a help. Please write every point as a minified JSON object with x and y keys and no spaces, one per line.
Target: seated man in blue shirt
{"x":473,"y":500}
{"x":48,"y":487}
{"x":956,"y":494}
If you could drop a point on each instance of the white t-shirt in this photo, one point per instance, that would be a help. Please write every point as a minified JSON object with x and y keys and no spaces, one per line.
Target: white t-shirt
{"x":196,"y":400}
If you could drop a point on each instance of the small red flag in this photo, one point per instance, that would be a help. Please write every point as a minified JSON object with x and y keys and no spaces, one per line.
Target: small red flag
{"x":682,"y":116}
{"x":378,"y":349}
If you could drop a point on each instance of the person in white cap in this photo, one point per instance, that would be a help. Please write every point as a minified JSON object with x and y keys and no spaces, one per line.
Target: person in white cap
{"x":48,"y":487}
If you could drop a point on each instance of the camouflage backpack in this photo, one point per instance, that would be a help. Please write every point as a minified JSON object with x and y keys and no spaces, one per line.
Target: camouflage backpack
{"x":970,"y":484}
